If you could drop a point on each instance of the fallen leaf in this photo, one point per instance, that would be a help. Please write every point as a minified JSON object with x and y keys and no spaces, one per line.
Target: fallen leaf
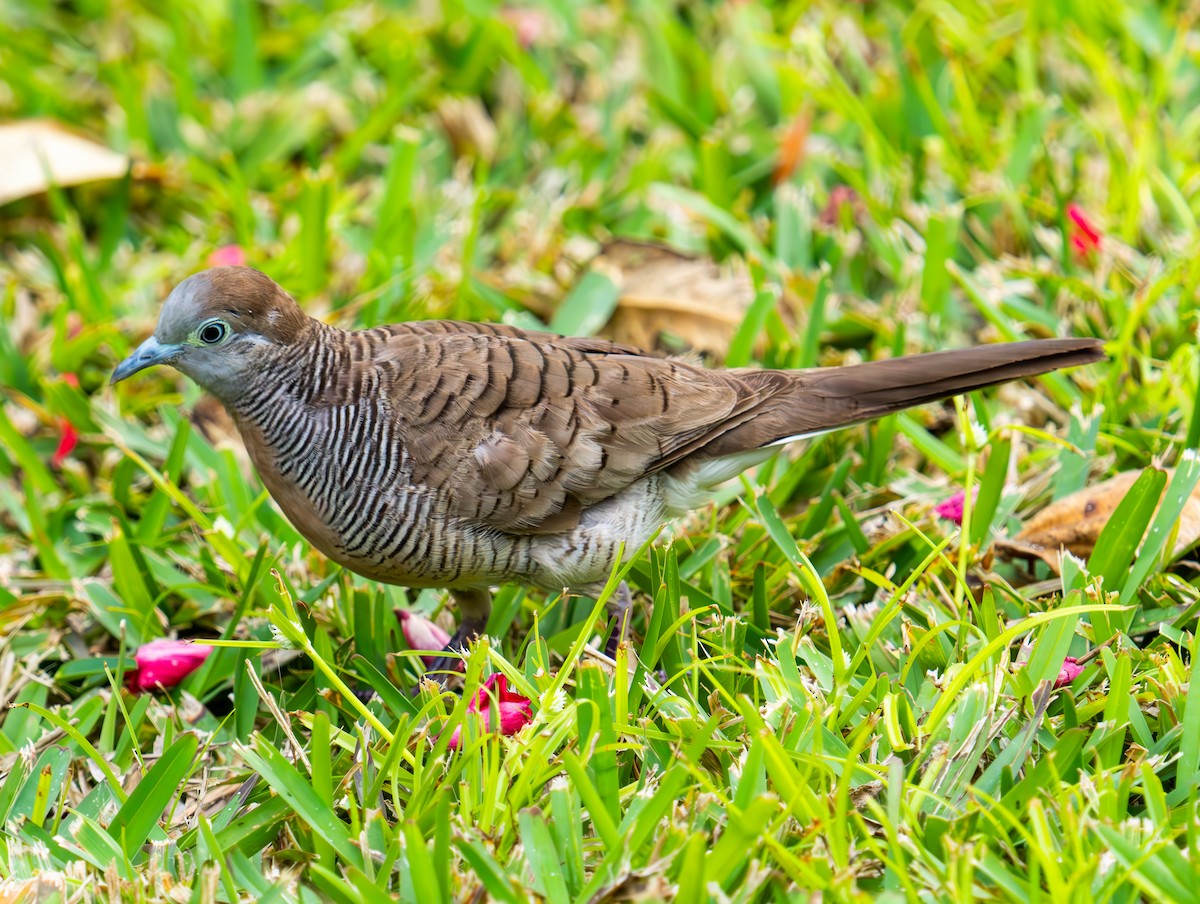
{"x":1074,"y":523}
{"x":39,"y":153}
{"x":666,"y":293}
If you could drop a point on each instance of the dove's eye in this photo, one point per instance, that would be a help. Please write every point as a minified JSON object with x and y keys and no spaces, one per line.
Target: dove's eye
{"x":213,"y":332}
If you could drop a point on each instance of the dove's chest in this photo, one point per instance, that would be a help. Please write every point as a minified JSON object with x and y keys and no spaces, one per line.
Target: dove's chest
{"x":343,"y":476}
{"x":347,"y":478}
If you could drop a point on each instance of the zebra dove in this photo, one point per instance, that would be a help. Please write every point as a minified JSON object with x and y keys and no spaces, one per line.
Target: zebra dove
{"x":462,"y":455}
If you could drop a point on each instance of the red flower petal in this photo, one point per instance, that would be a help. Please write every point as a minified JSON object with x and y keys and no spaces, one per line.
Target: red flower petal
{"x":1085,"y":237}
{"x":165,"y":663}
{"x":1069,"y":672}
{"x":952,"y":509}
{"x":513,"y":711}
{"x":228,"y":256}
{"x":67,"y":440}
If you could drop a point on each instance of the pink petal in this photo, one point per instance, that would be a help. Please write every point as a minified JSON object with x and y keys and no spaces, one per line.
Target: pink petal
{"x":165,"y":663}
{"x":530,"y":25}
{"x":422,"y":634}
{"x":952,"y":509}
{"x":228,"y":256}
{"x":1069,"y":672}
{"x":1085,"y":236}
{"x":514,"y":717}
{"x":839,"y":197}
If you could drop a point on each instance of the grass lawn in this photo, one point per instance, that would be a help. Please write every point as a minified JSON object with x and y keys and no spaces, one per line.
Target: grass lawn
{"x":832,"y":693}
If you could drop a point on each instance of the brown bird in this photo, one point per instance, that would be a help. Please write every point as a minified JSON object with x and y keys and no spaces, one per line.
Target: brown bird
{"x":463,"y":455}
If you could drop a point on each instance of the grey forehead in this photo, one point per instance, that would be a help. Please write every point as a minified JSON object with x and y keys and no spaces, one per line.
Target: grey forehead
{"x":188,"y":304}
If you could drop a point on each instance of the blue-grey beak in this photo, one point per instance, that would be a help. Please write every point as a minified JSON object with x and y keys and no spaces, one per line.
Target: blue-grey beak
{"x":147,"y":354}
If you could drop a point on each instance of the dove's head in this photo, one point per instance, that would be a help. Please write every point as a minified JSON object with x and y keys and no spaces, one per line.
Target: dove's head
{"x":220,"y":327}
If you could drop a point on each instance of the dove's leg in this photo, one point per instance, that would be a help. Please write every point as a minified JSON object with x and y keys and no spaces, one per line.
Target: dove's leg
{"x":474,"y":607}
{"x":620,"y":607}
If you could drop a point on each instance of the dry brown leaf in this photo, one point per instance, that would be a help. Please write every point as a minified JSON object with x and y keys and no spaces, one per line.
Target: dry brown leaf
{"x":1074,"y":523}
{"x":39,"y":153}
{"x":20,"y":891}
{"x":664,"y":292}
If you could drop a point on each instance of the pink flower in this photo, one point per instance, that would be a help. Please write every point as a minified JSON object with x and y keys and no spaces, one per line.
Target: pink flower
{"x":530,"y":25}
{"x":1085,"y":237}
{"x":422,"y":634}
{"x":164,"y":663}
{"x":514,"y":711}
{"x":1069,"y":672}
{"x":952,"y":508}
{"x":839,"y":196}
{"x":228,"y":256}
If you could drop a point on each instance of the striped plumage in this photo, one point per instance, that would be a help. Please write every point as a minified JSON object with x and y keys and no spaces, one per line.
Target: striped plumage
{"x":366,"y":458}
{"x":461,"y":455}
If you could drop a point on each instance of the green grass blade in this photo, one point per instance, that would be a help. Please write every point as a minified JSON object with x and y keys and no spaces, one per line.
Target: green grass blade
{"x":293,"y":787}
{"x":158,"y":790}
